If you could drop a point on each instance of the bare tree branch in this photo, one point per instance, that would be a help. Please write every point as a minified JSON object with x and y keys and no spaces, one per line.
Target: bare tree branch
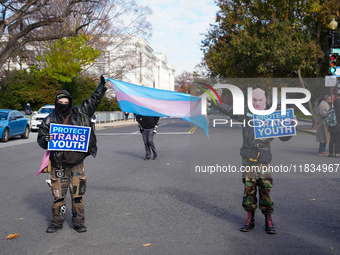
{"x":35,"y":22}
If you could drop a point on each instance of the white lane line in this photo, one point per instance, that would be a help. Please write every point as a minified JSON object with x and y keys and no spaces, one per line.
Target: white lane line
{"x":174,"y":133}
{"x":165,"y":133}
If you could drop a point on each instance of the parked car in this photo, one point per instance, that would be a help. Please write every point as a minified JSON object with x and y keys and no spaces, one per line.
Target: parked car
{"x":13,"y":123}
{"x":38,"y":117}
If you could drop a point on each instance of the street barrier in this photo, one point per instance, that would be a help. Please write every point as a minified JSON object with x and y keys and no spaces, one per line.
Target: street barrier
{"x":104,"y":117}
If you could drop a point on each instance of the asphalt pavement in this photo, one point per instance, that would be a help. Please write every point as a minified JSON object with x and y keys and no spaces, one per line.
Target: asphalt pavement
{"x":165,"y":207}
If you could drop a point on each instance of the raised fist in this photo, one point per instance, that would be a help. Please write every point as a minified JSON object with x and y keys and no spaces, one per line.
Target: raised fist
{"x":102,"y":80}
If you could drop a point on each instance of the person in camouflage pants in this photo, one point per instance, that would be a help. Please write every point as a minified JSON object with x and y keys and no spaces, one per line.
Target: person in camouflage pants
{"x":256,"y":154}
{"x":264,"y":182}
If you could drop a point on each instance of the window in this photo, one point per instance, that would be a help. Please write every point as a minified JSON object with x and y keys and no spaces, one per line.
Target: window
{"x":46,"y":110}
{"x":3,"y":115}
{"x":18,"y":115}
{"x":12,"y":116}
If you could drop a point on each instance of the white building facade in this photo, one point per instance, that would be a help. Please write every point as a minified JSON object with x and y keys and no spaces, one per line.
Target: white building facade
{"x":133,"y":60}
{"x":130,"y":59}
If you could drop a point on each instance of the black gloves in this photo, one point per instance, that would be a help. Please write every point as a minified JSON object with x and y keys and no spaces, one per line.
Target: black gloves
{"x":141,"y":129}
{"x":47,"y":138}
{"x":155,"y":129}
{"x":102,"y":80}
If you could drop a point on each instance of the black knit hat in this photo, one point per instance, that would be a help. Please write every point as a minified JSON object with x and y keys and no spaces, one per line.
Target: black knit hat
{"x":61,"y":115}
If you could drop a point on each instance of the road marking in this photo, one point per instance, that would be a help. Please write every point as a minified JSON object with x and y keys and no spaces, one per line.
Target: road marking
{"x":193,"y":129}
{"x":164,"y":133}
{"x":173,"y":133}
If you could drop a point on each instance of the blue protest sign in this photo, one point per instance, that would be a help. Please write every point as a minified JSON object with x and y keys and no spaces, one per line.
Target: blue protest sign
{"x":274,"y":125}
{"x":69,"y":138}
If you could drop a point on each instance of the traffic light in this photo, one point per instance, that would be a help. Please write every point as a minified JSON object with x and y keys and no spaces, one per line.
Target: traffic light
{"x":332,"y":62}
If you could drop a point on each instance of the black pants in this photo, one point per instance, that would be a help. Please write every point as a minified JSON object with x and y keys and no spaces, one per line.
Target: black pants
{"x":334,"y":142}
{"x":148,"y":142}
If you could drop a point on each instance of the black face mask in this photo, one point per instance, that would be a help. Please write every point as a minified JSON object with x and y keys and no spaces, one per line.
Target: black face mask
{"x":63,"y":108}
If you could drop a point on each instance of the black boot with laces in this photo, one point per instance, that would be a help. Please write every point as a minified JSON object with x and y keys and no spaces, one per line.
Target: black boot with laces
{"x":250,"y":222}
{"x":53,"y":228}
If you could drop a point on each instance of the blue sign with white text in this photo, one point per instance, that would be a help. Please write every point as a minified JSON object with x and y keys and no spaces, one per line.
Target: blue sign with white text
{"x":274,"y":125}
{"x":69,"y":138}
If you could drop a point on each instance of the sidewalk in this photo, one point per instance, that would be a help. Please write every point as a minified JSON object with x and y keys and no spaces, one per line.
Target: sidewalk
{"x":115,"y":124}
{"x":305,"y":126}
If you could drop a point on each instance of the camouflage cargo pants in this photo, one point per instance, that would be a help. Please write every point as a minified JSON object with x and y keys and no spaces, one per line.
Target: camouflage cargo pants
{"x":264,"y":182}
{"x":73,"y":179}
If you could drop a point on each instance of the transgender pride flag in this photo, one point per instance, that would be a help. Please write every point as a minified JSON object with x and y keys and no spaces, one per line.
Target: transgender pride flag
{"x":159,"y":103}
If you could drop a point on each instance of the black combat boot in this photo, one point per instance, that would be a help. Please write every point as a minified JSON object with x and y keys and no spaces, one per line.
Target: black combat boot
{"x":80,"y":228}
{"x":269,"y":224}
{"x":250,"y":222}
{"x":53,"y":228}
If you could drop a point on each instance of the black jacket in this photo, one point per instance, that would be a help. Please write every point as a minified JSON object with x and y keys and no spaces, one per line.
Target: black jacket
{"x":28,"y":110}
{"x":147,"y":122}
{"x":80,"y":116}
{"x":336,"y":128}
{"x":249,"y":140}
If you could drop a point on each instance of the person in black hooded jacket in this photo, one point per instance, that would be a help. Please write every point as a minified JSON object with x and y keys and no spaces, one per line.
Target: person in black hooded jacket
{"x":148,"y":129}
{"x":68,"y":169}
{"x":334,"y":143}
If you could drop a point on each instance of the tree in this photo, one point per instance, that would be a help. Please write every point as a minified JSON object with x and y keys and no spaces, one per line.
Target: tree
{"x":80,"y":88}
{"x":270,"y":39}
{"x":33,"y":21}
{"x":121,"y":44}
{"x":41,"y":20}
{"x":108,"y":104}
{"x":67,"y":57}
{"x":186,"y":83}
{"x":20,"y":87}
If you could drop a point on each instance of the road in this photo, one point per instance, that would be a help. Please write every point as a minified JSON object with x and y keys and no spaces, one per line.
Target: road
{"x":130,"y":202}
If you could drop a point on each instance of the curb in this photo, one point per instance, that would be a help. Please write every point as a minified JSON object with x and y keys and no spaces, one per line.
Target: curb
{"x":304,"y":120}
{"x":305,"y":131}
{"x":115,"y":126}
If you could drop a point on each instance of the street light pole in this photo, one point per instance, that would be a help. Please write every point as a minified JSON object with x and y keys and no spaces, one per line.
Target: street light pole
{"x":332,"y":26}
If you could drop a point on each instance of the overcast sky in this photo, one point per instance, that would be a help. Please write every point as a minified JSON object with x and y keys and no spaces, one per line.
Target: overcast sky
{"x":176,"y":29}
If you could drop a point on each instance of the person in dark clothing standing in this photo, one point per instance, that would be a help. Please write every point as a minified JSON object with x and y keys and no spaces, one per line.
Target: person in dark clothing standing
{"x":256,"y":154}
{"x":68,"y":171}
{"x":334,"y":143}
{"x":148,"y":127}
{"x":28,"y":109}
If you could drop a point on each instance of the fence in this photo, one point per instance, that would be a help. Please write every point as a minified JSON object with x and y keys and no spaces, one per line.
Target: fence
{"x":104,"y":117}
